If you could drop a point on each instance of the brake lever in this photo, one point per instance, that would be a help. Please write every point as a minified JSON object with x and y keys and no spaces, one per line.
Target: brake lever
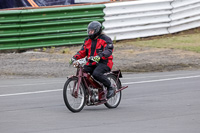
{"x":76,"y":64}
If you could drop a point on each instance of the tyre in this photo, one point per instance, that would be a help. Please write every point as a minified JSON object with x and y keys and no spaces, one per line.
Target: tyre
{"x":114,"y":101}
{"x":74,"y":103}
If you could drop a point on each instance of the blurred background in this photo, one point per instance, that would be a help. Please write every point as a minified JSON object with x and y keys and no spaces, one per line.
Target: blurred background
{"x":37,"y":3}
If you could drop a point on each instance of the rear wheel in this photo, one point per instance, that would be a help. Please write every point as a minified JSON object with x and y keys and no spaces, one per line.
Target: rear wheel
{"x":74,"y":101}
{"x":114,"y":101}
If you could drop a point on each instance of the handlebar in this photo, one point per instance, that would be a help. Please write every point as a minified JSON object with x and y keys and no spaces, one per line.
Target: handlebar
{"x":82,"y":62}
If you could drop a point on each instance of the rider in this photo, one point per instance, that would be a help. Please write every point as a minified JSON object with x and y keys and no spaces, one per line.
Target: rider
{"x":100,"y":47}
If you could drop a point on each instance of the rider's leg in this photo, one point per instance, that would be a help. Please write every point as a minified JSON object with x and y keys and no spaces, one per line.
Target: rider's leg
{"x":89,"y":69}
{"x":98,"y":74}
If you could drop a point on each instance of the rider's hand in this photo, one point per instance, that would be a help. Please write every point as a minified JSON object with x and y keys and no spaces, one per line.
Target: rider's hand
{"x":96,"y":58}
{"x":71,"y":61}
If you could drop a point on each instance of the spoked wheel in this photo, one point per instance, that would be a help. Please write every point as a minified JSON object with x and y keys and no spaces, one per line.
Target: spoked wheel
{"x":113,"y":102}
{"x":74,"y":101}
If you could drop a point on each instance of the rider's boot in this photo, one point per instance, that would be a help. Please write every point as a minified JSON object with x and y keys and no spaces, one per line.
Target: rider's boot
{"x":111,"y":92}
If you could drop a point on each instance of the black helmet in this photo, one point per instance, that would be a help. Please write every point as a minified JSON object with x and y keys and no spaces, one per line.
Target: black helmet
{"x":94,"y":29}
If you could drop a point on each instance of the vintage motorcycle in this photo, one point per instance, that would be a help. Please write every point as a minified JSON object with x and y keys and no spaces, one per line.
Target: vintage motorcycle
{"x":83,"y":89}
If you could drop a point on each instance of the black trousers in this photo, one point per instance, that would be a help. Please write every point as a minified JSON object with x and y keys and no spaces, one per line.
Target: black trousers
{"x":97,"y":72}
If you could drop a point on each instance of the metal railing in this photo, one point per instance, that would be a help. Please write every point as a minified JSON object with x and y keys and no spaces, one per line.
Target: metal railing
{"x":31,"y":28}
{"x":20,"y":29}
{"x":135,"y":19}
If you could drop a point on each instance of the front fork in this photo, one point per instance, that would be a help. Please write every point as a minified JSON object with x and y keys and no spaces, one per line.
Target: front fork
{"x":76,"y":90}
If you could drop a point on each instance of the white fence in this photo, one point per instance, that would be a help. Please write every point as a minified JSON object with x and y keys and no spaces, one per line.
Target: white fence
{"x":127,"y":20}
{"x":185,"y":15}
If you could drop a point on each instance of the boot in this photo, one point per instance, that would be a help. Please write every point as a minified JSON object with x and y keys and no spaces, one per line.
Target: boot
{"x":111,"y":92}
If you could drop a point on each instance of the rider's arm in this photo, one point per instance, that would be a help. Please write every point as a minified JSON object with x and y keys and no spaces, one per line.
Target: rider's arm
{"x":81,"y":53}
{"x":108,"y":48}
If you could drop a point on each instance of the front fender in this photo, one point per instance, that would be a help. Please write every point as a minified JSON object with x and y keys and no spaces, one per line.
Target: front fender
{"x":72,"y":76}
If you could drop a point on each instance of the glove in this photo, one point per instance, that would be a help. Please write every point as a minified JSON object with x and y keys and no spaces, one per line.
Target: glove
{"x":71,"y":61}
{"x":96,"y":58}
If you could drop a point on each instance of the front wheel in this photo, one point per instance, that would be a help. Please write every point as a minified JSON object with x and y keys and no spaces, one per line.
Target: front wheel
{"x":74,"y":101}
{"x":114,"y":101}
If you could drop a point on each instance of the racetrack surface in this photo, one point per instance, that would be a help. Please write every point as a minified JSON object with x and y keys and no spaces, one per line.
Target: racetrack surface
{"x":167,"y":102}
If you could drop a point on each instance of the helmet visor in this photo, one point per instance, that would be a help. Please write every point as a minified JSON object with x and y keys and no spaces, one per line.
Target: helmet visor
{"x":91,"y":31}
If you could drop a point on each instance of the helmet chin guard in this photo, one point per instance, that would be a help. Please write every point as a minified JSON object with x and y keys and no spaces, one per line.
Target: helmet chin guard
{"x":94,"y":29}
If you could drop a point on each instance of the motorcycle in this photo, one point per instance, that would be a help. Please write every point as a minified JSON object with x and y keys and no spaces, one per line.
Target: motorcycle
{"x":82,"y":89}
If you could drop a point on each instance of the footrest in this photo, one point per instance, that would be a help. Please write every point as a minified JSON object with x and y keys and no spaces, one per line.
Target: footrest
{"x":122,"y":88}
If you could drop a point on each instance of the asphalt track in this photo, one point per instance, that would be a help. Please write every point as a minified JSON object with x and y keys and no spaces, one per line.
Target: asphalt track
{"x":167,"y":102}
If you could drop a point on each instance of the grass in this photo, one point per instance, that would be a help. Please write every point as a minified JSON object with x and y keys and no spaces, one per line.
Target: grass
{"x":188,"y":42}
{"x":66,"y":51}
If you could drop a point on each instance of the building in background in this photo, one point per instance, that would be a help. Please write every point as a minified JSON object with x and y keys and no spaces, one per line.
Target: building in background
{"x":7,"y":4}
{"x":90,"y":1}
{"x":37,"y":3}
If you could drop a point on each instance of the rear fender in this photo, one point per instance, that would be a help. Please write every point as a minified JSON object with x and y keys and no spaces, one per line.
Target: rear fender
{"x":117,"y":73}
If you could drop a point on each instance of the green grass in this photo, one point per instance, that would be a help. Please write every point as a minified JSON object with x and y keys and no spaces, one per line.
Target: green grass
{"x":190,"y":42}
{"x":66,"y":51}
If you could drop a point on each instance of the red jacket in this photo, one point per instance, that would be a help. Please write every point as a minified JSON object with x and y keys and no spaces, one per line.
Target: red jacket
{"x":102,"y":46}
